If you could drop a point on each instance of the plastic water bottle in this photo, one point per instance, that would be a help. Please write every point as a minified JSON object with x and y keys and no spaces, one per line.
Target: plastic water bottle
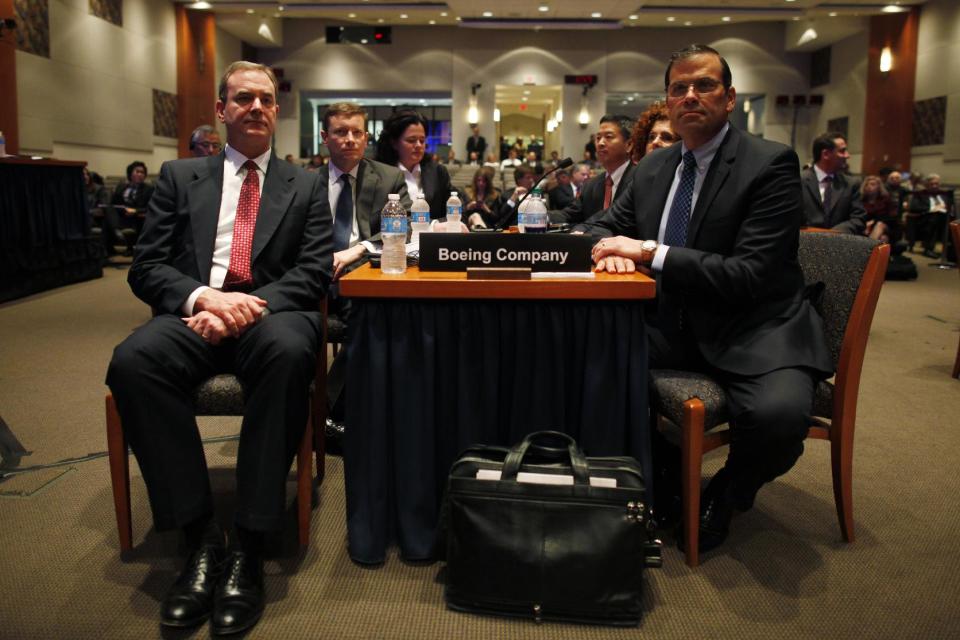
{"x":454,"y":212}
{"x":419,"y":217}
{"x":393,"y":232}
{"x":522,"y":213}
{"x":535,"y":213}
{"x":3,"y":145}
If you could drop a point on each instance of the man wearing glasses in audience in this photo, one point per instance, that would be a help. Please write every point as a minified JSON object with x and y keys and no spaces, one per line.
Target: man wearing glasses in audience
{"x":205,"y":141}
{"x":716,"y":221}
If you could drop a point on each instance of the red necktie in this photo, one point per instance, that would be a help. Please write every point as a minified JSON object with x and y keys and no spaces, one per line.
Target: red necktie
{"x":607,"y":191}
{"x":238,"y":275}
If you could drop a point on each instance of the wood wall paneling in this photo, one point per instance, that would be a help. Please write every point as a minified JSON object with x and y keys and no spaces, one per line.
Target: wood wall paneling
{"x":8,"y":83}
{"x":196,"y":73}
{"x":888,"y":121}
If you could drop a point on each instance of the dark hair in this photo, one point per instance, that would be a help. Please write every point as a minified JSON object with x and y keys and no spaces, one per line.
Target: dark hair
{"x":624,"y":123}
{"x":825,"y":142}
{"x":347,"y":109}
{"x":641,"y":131}
{"x":133,"y":165}
{"x":522,"y":171}
{"x":393,"y":128}
{"x":96,"y":178}
{"x":695,"y":50}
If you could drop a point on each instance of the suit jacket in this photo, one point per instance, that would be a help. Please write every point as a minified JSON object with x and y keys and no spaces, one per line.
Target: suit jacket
{"x":435,"y":182}
{"x":291,"y":261}
{"x":846,"y":211}
{"x":561,"y":196}
{"x":375,"y":181}
{"x":478,"y":144}
{"x":138,"y":199}
{"x":590,"y":201}
{"x":736,"y":282}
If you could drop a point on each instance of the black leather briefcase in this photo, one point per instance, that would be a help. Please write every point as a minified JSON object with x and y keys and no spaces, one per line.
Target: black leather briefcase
{"x":570,"y":552}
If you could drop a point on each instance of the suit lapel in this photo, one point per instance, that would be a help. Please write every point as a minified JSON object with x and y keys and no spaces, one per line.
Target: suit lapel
{"x":713,"y":182}
{"x":274,"y":200}
{"x":368,"y":181}
{"x":203,"y":195}
{"x":811,"y":185}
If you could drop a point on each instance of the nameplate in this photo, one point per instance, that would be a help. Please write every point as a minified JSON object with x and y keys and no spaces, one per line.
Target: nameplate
{"x":538,"y":251}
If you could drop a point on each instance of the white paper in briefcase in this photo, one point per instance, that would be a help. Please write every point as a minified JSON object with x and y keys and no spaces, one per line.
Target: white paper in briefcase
{"x":545,"y":478}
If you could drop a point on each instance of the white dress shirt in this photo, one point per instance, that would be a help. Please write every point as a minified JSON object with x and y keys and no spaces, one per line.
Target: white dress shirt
{"x":704,"y":156}
{"x":821,"y":180}
{"x":413,"y":180}
{"x":615,"y":176}
{"x":233,"y":177}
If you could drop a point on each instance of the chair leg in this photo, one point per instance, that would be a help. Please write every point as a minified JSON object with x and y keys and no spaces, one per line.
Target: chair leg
{"x":119,"y":474}
{"x":956,"y":363}
{"x":841,"y":462}
{"x":691,"y":462}
{"x":305,"y":485}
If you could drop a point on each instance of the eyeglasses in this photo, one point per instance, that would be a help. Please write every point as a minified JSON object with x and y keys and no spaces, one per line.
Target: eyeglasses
{"x":701,"y":86}
{"x":213,"y":146}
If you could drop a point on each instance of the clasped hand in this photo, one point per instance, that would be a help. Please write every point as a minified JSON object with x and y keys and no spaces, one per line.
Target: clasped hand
{"x":221,"y":314}
{"x":619,"y":254}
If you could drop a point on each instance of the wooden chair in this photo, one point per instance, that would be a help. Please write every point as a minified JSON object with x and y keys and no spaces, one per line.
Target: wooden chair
{"x":852,"y":269}
{"x":222,"y":395}
{"x":955,"y":237}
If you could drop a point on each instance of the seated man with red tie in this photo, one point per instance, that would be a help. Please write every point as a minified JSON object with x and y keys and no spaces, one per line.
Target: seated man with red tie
{"x":599,"y":192}
{"x":234,"y":259}
{"x":830,"y":199}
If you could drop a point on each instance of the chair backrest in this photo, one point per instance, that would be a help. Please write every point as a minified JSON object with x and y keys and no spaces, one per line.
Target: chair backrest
{"x":852,"y":269}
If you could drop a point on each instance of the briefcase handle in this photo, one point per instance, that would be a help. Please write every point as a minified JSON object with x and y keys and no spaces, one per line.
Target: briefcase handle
{"x":543,"y":442}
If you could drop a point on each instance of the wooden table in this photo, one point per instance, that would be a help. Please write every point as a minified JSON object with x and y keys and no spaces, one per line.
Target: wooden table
{"x":437,"y":363}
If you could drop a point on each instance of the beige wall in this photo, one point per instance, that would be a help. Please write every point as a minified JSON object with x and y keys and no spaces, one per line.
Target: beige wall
{"x":92,"y":99}
{"x":938,"y":74}
{"x":450,"y":59}
{"x":229,"y":49}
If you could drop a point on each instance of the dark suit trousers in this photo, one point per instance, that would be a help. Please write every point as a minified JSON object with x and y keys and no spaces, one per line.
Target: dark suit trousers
{"x":153,"y":375}
{"x":770,"y":413}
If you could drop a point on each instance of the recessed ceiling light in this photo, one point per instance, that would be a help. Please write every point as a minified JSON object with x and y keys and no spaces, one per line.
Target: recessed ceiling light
{"x":795,"y":18}
{"x":671,"y":19}
{"x":634,"y":16}
{"x":488,"y":14}
{"x":687,"y":23}
{"x":351,"y":15}
{"x":200,"y":5}
{"x":832,"y":14}
{"x":524,"y":98}
{"x":281,"y":8}
{"x":791,"y":0}
{"x":892,"y":8}
{"x":443,"y":14}
{"x":543,"y":8}
{"x":725,"y":18}
{"x":249,"y":10}
{"x":363,"y":41}
{"x":403,"y":16}
{"x":432,"y":22}
{"x":596,"y":14}
{"x":380,"y":20}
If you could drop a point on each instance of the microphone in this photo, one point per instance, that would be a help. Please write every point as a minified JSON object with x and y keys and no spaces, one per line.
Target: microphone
{"x":565,"y":163}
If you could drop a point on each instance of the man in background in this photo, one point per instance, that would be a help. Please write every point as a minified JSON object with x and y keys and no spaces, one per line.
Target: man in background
{"x":830,"y":199}
{"x":476,"y":143}
{"x":205,"y":141}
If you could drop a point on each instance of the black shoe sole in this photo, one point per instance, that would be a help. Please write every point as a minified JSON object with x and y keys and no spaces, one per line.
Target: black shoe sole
{"x":184,"y":624}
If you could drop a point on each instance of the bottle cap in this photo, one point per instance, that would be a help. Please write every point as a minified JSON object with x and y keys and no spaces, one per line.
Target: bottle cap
{"x":393,"y":196}
{"x":453,"y":193}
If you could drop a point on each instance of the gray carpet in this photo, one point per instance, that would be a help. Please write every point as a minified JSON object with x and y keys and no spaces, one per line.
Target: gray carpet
{"x":783,"y":573}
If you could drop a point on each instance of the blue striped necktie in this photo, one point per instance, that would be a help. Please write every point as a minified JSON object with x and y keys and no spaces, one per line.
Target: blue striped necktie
{"x":343,"y":223}
{"x":679,"y":220}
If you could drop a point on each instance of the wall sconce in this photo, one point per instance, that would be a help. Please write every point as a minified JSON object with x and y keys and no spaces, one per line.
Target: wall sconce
{"x":746,"y":105}
{"x":886,"y":60}
{"x":584,"y":117}
{"x":559,"y":116}
{"x":551,"y":126}
{"x":496,"y":114}
{"x":473,"y":114}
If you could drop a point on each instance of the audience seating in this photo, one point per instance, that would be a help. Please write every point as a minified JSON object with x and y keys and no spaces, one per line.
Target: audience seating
{"x":852,"y":269}
{"x":223,"y":395}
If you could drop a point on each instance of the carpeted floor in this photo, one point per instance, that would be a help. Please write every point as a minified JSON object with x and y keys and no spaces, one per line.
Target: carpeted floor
{"x":783,"y":573}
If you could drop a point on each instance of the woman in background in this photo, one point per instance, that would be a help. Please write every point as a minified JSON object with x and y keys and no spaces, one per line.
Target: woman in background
{"x":483,"y":199}
{"x":652,"y":131}
{"x":402,"y":144}
{"x":882,"y":217}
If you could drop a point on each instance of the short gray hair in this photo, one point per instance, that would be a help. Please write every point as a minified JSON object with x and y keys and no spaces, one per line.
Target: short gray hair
{"x":202,"y":131}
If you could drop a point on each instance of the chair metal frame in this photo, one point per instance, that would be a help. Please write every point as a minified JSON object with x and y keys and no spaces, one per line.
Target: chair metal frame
{"x":695,"y":441}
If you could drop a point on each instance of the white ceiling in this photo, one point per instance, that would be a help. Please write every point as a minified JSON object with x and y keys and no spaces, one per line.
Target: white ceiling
{"x":560,"y":14}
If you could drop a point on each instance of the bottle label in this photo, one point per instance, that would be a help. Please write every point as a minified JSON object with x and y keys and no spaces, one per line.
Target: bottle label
{"x":454,"y":209}
{"x":392,"y":224}
{"x":419,"y":216}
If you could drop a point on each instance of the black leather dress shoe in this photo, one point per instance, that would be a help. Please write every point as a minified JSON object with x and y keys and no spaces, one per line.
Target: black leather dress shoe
{"x":190,"y":599}
{"x":238,"y":601}
{"x":716,"y":512}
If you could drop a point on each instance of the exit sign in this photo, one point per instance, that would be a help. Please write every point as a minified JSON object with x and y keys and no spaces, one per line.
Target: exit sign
{"x":589,"y":80}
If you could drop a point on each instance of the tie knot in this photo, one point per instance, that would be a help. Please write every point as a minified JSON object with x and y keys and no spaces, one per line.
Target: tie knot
{"x":689,"y":160}
{"x":828,"y":178}
{"x":608,"y":181}
{"x":345,"y":178}
{"x":250,"y":166}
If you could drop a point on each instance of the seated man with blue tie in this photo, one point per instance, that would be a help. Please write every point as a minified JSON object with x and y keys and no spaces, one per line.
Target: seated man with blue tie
{"x":716,"y":221}
{"x":599,"y":192}
{"x":234,"y":259}
{"x":357,"y":190}
{"x":830,"y":199}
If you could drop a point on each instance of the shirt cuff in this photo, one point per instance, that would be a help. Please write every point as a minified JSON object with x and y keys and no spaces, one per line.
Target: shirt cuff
{"x":192,"y":300}
{"x":656,"y":265}
{"x":369,"y":246}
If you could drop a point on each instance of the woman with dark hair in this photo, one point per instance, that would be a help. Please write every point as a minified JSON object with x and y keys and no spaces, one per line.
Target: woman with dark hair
{"x":402,"y":144}
{"x":133,"y":196}
{"x":652,"y":131}
{"x":483,"y":199}
{"x":882,"y":214}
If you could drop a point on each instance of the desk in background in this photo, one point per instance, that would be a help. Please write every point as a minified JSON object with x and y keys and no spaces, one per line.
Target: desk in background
{"x":44,"y":227}
{"x":437,"y":363}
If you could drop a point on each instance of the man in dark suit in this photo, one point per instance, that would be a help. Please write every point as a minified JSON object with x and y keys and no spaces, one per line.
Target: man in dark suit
{"x":235,"y":273}
{"x":476,"y":143}
{"x":561,"y":196}
{"x":830,"y":199}
{"x":357,"y":191}
{"x":716,"y":221}
{"x":599,"y":192}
